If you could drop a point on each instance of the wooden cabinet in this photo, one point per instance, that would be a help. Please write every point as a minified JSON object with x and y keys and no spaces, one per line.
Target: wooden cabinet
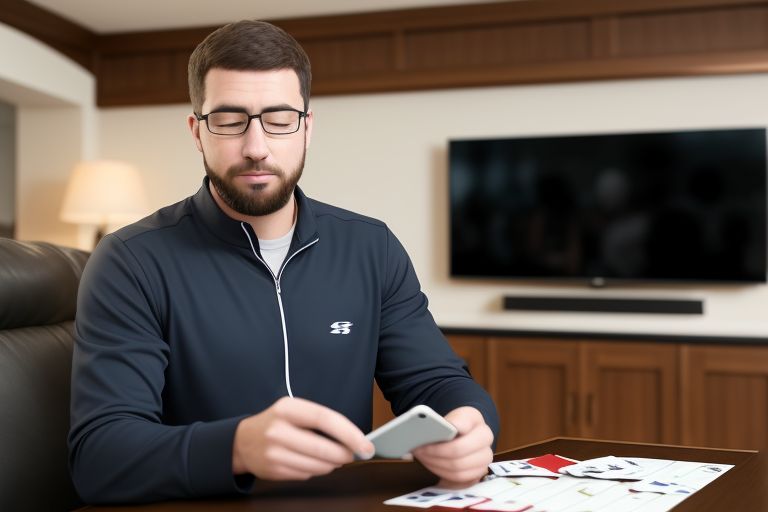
{"x":534,"y":384}
{"x":630,"y":391}
{"x":725,"y":396}
{"x":656,"y":392}
{"x":470,"y":348}
{"x":609,"y":390}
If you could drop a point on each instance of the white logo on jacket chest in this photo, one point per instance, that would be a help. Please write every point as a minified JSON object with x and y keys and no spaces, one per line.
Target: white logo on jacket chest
{"x":341,"y":327}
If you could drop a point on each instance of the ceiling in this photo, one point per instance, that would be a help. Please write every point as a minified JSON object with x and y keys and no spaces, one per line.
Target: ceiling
{"x":105,"y":16}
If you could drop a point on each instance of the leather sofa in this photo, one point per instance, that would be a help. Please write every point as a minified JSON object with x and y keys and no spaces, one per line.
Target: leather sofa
{"x":38,"y":291}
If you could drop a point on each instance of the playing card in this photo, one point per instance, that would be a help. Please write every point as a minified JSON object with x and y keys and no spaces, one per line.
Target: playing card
{"x":491,"y":486}
{"x":616,"y":468}
{"x":681,"y":478}
{"x":461,"y":500}
{"x":496,"y":506}
{"x":551,"y":462}
{"x":423,"y":498}
{"x":545,"y":465}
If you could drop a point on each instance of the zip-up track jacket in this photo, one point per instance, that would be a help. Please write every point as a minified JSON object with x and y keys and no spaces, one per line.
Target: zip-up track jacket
{"x":182,"y":331}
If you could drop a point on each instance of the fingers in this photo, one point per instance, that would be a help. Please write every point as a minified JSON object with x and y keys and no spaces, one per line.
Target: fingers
{"x":480,"y":437}
{"x":310,"y":415}
{"x":463,"y":460}
{"x":307,"y":443}
{"x":462,"y":472}
{"x":294,"y":440}
{"x":288,"y":462}
{"x":478,"y":460}
{"x":465,"y":419}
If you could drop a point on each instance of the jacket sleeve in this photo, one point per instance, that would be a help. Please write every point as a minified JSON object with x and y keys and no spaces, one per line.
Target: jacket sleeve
{"x":120,"y":450}
{"x":415,"y":363}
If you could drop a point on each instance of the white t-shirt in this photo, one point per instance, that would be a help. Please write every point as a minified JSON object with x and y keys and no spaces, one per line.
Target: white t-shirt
{"x":274,"y":251}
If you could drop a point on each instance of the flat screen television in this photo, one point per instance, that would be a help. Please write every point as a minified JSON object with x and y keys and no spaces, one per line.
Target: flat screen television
{"x":682,"y":206}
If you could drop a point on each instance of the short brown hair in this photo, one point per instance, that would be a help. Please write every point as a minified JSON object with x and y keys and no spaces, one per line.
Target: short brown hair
{"x":247,"y":45}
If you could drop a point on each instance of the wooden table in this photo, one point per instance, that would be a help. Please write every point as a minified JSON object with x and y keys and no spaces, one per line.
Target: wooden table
{"x":362,"y":487}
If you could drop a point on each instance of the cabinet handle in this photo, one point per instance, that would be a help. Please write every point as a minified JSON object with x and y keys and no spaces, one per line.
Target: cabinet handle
{"x":590,"y":402}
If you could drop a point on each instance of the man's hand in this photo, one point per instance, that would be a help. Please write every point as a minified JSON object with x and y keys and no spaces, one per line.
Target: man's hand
{"x":464,"y":460}
{"x":282,"y":443}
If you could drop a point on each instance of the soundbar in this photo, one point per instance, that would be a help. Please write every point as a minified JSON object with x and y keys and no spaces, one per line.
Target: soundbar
{"x":605,"y":305}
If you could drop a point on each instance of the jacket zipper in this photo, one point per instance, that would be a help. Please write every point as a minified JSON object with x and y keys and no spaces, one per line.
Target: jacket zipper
{"x":276,"y":280}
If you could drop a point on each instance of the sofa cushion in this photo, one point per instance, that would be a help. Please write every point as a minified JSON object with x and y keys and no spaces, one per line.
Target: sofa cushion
{"x":38,"y":291}
{"x":38,"y":283}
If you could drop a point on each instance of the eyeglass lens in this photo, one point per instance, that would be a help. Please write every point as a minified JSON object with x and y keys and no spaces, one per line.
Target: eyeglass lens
{"x":234,"y":123}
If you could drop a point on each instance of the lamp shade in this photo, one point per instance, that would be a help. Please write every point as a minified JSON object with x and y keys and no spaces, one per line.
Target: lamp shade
{"x":104,"y":192}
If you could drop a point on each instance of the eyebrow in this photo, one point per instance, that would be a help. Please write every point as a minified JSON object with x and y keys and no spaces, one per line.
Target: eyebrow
{"x":240,"y":108}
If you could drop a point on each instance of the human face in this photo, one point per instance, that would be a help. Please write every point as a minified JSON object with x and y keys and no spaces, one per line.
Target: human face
{"x":255,"y":173}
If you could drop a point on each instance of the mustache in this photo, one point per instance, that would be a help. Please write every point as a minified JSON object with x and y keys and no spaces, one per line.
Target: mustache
{"x":251,"y":165}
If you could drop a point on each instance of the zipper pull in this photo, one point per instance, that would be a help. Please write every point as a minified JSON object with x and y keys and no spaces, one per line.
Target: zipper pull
{"x":277,"y":285}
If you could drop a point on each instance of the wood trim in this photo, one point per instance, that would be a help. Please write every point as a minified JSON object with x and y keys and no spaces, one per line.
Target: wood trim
{"x":604,"y":69}
{"x":498,"y":43}
{"x":71,"y":39}
{"x":485,"y":14}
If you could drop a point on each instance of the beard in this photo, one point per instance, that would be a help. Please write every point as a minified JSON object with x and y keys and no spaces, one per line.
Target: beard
{"x":255,"y":200}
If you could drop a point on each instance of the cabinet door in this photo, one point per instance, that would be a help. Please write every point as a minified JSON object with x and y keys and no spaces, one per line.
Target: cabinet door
{"x":725,"y":396}
{"x":630,"y":391}
{"x":473,"y":350}
{"x":382,"y":412}
{"x":535,"y":386}
{"x":470,"y":348}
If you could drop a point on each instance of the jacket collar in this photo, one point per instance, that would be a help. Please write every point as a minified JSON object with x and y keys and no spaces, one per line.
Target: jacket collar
{"x":230,"y":230}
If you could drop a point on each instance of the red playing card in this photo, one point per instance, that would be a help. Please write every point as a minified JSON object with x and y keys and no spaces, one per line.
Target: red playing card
{"x":550,"y":462}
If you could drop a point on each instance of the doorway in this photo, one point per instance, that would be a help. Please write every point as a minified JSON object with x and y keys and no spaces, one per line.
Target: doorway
{"x":7,"y":170}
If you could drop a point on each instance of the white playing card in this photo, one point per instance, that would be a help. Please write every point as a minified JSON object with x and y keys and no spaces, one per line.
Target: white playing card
{"x":462,"y":500}
{"x":616,"y":468}
{"x":496,"y":506}
{"x":423,"y":498}
{"x":681,"y":478}
{"x":492,"y":486}
{"x":519,"y":467}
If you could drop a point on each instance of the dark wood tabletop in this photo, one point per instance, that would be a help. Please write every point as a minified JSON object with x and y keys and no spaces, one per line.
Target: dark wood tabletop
{"x":364,"y":486}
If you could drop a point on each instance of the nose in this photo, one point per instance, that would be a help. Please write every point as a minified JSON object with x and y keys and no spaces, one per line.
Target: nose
{"x":255,"y":142}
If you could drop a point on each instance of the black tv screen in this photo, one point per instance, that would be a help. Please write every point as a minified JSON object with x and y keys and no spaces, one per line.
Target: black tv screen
{"x":668,"y":206}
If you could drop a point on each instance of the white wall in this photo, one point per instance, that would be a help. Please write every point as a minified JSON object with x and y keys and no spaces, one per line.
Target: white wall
{"x":55,"y":128}
{"x":385,"y":155}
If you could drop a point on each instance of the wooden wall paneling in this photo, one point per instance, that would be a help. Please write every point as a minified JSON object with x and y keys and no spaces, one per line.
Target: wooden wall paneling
{"x":464,"y":46}
{"x":726,"y":396}
{"x":498,"y":43}
{"x":344,"y":56}
{"x":155,"y":78}
{"x":631,"y":391}
{"x":710,"y":30}
{"x":604,"y":37}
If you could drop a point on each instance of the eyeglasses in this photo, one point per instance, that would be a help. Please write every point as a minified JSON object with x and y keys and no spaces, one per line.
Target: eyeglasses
{"x":275,"y":122}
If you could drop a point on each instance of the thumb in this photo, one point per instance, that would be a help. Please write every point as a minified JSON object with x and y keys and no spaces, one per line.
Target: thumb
{"x":464,"y":419}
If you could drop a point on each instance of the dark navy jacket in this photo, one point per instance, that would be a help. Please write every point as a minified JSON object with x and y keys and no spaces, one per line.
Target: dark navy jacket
{"x":179,"y":335}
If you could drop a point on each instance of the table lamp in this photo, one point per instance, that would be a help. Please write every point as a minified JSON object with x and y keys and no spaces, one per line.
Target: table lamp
{"x":104,"y":192}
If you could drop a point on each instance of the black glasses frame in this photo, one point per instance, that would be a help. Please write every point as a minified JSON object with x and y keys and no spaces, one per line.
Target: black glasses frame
{"x":204,"y":117}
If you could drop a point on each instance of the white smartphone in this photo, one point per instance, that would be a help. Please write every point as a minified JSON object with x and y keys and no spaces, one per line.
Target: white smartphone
{"x":416,"y":427}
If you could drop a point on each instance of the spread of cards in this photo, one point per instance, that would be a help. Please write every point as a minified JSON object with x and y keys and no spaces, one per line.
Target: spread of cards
{"x":552,"y":483}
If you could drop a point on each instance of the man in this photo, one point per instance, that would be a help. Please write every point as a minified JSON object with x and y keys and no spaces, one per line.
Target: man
{"x":234,"y":336}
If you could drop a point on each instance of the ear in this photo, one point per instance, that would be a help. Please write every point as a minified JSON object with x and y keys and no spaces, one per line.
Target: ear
{"x":309,"y":122}
{"x":194,"y":127}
